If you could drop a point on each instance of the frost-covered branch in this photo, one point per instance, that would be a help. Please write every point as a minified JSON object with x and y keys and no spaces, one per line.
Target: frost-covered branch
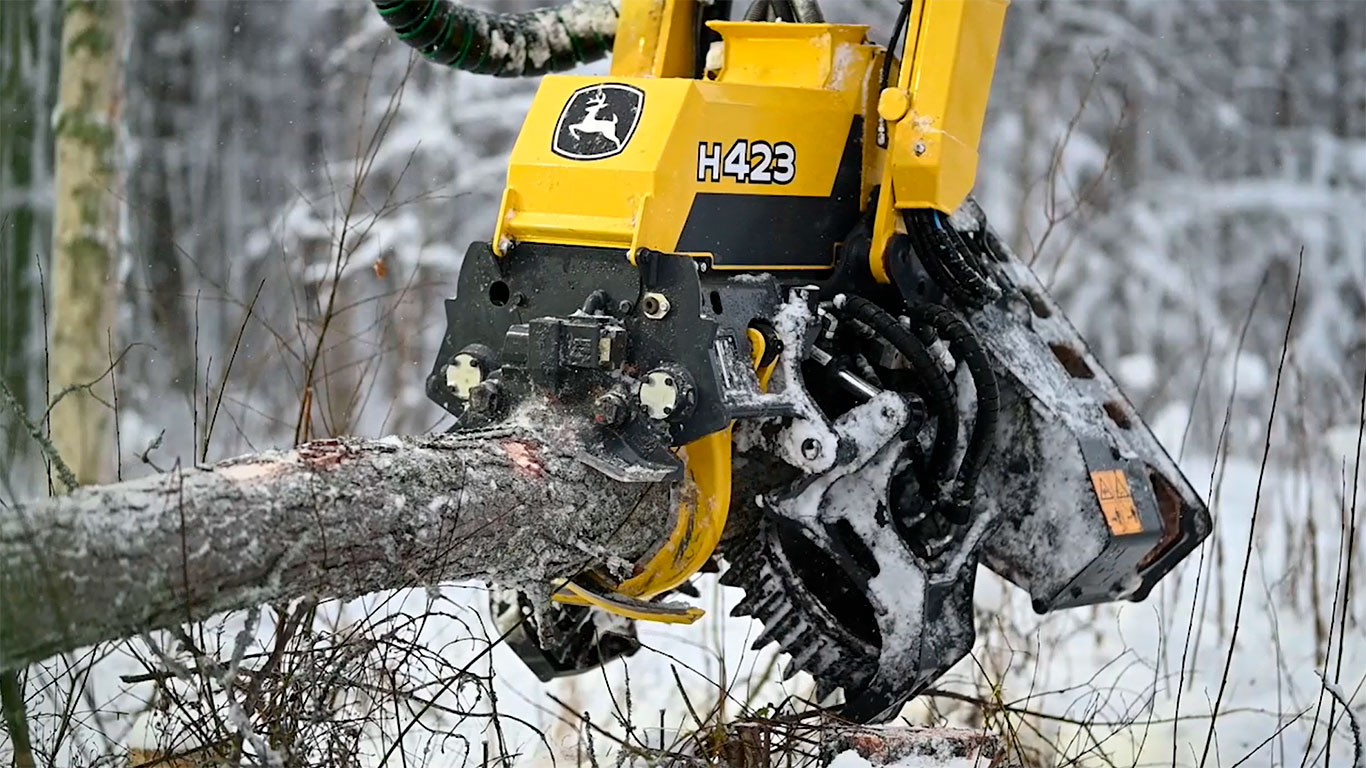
{"x":334,"y":518}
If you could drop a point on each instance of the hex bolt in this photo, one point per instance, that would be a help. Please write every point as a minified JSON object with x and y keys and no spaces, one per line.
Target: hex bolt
{"x":625,"y":307}
{"x":610,"y":410}
{"x":486,"y":398}
{"x":655,"y":305}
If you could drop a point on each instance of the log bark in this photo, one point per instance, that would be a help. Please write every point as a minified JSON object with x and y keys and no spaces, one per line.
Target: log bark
{"x":334,"y":518}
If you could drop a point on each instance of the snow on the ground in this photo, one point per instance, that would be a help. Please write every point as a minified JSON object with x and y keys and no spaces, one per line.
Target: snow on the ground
{"x":1123,"y":663}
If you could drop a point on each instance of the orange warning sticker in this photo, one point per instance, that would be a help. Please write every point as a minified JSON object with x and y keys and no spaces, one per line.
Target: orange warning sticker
{"x":1116,"y":501}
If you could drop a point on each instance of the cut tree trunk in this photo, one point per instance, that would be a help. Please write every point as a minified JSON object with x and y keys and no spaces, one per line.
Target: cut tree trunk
{"x":333,"y":518}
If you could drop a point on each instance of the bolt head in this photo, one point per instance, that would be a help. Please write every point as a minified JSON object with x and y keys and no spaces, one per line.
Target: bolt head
{"x":610,"y":410}
{"x":655,"y":306}
{"x":486,"y":398}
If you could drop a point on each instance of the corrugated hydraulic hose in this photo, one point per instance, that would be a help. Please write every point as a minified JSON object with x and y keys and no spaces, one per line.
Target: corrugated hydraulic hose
{"x":946,"y":257}
{"x":968,"y":350}
{"x":526,"y":43}
{"x":936,"y":388}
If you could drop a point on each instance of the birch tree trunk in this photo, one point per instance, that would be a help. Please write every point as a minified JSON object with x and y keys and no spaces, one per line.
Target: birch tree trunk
{"x":333,"y":518}
{"x":85,"y":231}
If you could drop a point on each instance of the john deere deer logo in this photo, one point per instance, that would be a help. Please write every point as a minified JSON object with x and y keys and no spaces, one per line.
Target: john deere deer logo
{"x":598,"y":121}
{"x":591,"y":123}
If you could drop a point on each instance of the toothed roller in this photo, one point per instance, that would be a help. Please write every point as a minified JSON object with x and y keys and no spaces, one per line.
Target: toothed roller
{"x":793,"y":618}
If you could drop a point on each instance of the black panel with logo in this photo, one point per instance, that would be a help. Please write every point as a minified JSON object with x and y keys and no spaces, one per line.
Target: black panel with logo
{"x":598,"y":121}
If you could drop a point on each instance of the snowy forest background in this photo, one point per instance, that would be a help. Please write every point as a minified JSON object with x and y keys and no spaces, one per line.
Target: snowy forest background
{"x":296,"y":193}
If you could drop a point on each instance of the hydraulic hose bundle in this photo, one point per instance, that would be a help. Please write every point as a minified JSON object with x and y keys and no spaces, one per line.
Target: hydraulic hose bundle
{"x":965,"y":348}
{"x":792,"y":11}
{"x":952,"y":260}
{"x":930,"y":323}
{"x":935,"y":386}
{"x":528,"y":43}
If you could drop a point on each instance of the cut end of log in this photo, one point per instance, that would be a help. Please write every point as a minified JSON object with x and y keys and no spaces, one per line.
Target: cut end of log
{"x":249,"y":472}
{"x":525,"y":458}
{"x":916,"y":747}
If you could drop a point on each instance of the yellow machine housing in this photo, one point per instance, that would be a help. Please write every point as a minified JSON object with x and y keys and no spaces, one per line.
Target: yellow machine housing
{"x":811,"y":87}
{"x":766,"y":164}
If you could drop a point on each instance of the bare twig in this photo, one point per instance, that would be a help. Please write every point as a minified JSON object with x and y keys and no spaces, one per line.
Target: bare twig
{"x":1256,"y":506}
{"x":1347,"y":585}
{"x":1358,"y":760}
{"x":87,"y":386}
{"x":49,"y":450}
{"x":227,"y":373}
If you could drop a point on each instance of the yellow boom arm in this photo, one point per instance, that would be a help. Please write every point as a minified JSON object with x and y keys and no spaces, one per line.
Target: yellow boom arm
{"x":934,"y":113}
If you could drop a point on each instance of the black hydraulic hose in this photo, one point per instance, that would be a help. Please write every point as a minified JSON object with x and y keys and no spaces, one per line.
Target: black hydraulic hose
{"x":992,"y":245}
{"x":526,"y":43}
{"x":946,"y":431}
{"x":898,"y":27}
{"x":980,"y":243}
{"x":973,"y":249}
{"x":904,"y":15}
{"x":964,"y":345}
{"x":938,"y":390}
{"x":944,"y":253}
{"x":926,"y":249}
{"x":595,"y":303}
{"x":800,"y":11}
{"x":969,"y":253}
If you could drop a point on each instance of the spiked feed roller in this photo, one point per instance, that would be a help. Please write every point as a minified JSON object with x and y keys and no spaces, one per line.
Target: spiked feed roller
{"x":747,"y":258}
